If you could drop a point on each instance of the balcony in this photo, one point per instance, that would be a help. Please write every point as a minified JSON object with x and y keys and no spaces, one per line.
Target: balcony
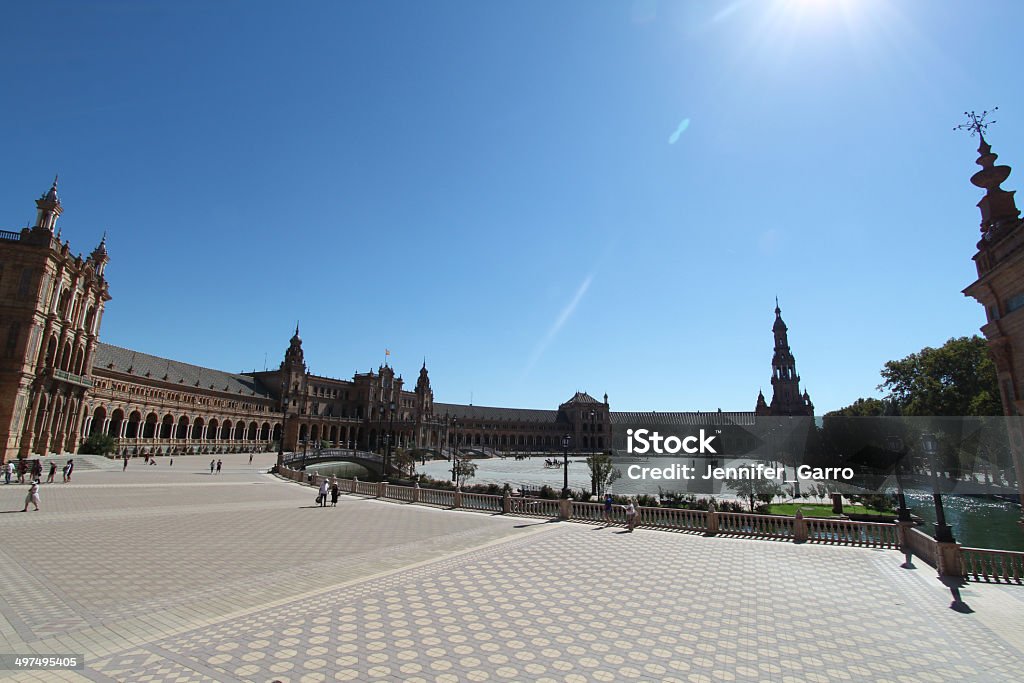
{"x":71,"y":378}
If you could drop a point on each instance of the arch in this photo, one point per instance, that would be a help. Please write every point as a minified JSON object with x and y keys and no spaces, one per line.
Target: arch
{"x":254,"y":431}
{"x":76,"y":361}
{"x":197,"y":429}
{"x":98,"y":416}
{"x":134,"y":421}
{"x":333,"y":435}
{"x":265,"y":432}
{"x":65,"y":356}
{"x":303,"y":432}
{"x":62,"y":305}
{"x":239,"y":431}
{"x":167,"y":427}
{"x":277,"y":432}
{"x":51,"y":352}
{"x":212,"y":432}
{"x":182,"y":431}
{"x":116,"y":423}
{"x":90,"y":318}
{"x":149,"y":428}
{"x":314,"y":433}
{"x":225,"y":430}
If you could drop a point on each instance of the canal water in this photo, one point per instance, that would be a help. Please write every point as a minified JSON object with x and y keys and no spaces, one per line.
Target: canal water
{"x":976,"y":522}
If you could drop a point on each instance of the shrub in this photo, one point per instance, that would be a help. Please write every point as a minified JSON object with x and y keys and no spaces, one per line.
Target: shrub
{"x":98,"y":444}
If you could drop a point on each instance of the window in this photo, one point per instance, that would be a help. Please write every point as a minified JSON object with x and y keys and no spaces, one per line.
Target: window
{"x":25,"y":284}
{"x":1014,"y":302}
{"x":12,"y":341}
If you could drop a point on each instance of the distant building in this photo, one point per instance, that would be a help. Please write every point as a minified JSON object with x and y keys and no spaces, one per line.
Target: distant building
{"x":59,"y":384}
{"x":787,"y":401}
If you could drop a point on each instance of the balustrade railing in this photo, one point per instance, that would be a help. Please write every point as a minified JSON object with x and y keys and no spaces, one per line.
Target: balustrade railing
{"x":443,"y":497}
{"x":1000,"y":566}
{"x":846,"y":532}
{"x":764,"y":526}
{"x":673,"y":518}
{"x":977,"y":564}
{"x":481,"y":501}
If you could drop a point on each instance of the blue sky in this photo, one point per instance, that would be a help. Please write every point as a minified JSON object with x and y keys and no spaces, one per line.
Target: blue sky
{"x":493,"y":186}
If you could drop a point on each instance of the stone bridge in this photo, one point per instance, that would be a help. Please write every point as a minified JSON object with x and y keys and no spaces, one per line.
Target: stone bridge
{"x":371,"y":461}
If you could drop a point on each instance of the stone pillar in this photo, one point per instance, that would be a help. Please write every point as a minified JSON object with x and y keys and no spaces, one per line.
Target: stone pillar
{"x":903,"y":536}
{"x":506,"y":502}
{"x":416,"y":492}
{"x":354,"y":485}
{"x":457,"y":503}
{"x":564,"y":509}
{"x":382,"y":490}
{"x":799,"y":528}
{"x":712,"y":526}
{"x":947,"y":559}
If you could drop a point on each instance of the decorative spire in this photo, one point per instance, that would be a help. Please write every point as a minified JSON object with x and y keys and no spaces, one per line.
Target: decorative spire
{"x":998,"y":205}
{"x":48,"y":208}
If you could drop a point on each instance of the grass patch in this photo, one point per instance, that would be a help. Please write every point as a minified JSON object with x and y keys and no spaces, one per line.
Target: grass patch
{"x":822,"y":510}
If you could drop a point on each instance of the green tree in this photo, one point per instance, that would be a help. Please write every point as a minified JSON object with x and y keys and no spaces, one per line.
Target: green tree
{"x":98,"y":444}
{"x":464,"y":469}
{"x":864,"y":407}
{"x":602,"y":472}
{"x":959,"y":378}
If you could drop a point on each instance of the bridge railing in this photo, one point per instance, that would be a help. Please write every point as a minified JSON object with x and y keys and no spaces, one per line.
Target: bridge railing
{"x":1000,"y":566}
{"x":975,"y":564}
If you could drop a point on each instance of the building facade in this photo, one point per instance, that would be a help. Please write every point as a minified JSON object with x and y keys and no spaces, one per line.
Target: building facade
{"x":999,"y":261}
{"x":59,"y":384}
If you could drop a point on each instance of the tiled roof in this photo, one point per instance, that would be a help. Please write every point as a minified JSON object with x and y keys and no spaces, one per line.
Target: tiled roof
{"x":696,"y":419}
{"x":581,"y":397}
{"x":111,"y":358}
{"x":489,"y":413}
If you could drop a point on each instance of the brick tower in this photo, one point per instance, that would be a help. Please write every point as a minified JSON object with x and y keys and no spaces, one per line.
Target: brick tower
{"x":786,"y":397}
{"x":51,"y":304}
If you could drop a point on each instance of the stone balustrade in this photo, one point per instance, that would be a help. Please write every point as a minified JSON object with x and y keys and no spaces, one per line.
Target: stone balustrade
{"x":950,"y":559}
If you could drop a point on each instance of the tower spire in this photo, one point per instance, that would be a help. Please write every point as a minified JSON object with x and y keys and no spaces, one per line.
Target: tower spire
{"x":48,"y":208}
{"x":998,"y":206}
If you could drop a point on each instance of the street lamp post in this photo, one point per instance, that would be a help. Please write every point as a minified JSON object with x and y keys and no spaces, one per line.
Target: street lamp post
{"x":391,"y":435}
{"x":943,"y":532}
{"x":284,"y":426}
{"x":894,"y":445}
{"x":566,"y":440}
{"x":455,"y":440}
{"x":305,"y":445}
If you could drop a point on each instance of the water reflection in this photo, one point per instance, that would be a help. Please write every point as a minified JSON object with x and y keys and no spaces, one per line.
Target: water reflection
{"x":976,"y":522}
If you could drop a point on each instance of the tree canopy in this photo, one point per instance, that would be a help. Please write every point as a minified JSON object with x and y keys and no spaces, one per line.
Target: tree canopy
{"x":959,"y":378}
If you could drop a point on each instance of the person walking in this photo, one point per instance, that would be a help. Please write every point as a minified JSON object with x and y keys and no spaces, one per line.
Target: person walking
{"x":33,"y":495}
{"x":8,"y":472}
{"x":608,"y":508}
{"x":219,"y":464}
{"x":68,"y":469}
{"x":213,"y":464}
{"x":631,"y":516}
{"x":37,"y":470}
{"x":324,"y":489}
{"x":53,"y":472}
{"x":22,"y":469}
{"x":250,"y":458}
{"x":125,"y":465}
{"x":335,"y":491}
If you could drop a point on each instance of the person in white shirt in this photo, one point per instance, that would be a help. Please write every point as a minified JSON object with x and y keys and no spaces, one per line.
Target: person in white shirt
{"x":325,"y":488}
{"x":33,"y":495}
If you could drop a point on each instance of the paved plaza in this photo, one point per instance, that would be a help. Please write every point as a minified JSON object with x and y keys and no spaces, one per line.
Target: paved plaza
{"x":173,"y":574}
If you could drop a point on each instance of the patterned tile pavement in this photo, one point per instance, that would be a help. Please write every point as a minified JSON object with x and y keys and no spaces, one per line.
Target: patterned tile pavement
{"x":184,"y":576}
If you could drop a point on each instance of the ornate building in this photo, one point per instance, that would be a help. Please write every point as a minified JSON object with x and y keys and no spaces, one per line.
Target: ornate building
{"x":1000,"y":285}
{"x":59,"y":384}
{"x":787,"y":400}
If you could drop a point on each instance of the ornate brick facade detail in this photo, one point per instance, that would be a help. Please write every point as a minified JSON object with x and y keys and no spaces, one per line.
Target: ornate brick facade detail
{"x":786,"y":397}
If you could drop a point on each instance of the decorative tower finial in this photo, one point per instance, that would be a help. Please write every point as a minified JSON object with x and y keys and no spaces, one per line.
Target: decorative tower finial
{"x":997,"y":206}
{"x":976,"y":123}
{"x":48,"y":209}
